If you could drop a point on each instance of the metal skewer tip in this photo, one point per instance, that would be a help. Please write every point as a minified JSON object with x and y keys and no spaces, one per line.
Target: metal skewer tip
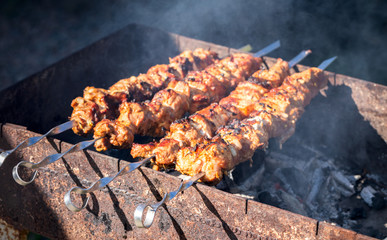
{"x":299,"y":58}
{"x":268,"y":49}
{"x":48,"y":160}
{"x":147,"y":221}
{"x":33,"y":140}
{"x":99,"y":184}
{"x":326,"y":63}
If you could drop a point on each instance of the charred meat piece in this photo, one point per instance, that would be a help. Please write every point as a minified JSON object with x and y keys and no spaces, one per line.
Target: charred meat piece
{"x":275,"y":115}
{"x":203,"y":124}
{"x":196,"y":91}
{"x":139,"y":88}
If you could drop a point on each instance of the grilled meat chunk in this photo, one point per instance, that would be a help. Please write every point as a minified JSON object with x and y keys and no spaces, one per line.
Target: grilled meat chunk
{"x":204,"y":123}
{"x":195,"y":92}
{"x":138,"y":88}
{"x":274,"y":116}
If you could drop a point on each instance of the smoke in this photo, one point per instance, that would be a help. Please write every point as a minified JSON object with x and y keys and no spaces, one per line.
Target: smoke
{"x":37,"y":34}
{"x":354,"y":31}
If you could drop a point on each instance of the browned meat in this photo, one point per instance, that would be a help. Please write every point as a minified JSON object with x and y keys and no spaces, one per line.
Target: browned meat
{"x":197,"y":90}
{"x":204,"y":123}
{"x":85,"y":115}
{"x":138,"y":88}
{"x":275,"y":116}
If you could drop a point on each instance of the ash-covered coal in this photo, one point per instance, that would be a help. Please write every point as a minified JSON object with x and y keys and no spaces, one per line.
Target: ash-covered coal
{"x":315,"y":186}
{"x":332,"y":169}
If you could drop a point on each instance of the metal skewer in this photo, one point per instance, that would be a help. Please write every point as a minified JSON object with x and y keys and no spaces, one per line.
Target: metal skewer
{"x":299,"y":58}
{"x":326,"y":63}
{"x":47,"y":160}
{"x":85,"y":144}
{"x":132,"y":166}
{"x":152,"y":208}
{"x":146,"y":221}
{"x":99,"y":184}
{"x":33,"y":140}
{"x":268,"y":49}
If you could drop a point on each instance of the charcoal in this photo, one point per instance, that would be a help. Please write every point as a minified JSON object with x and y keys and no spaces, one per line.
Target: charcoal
{"x":293,"y":180}
{"x":254,"y":181}
{"x":358,"y":213}
{"x":267,"y":198}
{"x":378,"y":201}
{"x":343,"y":181}
{"x":372,"y":198}
{"x":226,"y":184}
{"x":317,"y":181}
{"x":291,"y":203}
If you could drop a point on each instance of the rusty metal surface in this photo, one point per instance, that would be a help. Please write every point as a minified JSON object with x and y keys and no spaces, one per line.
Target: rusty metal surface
{"x":371,"y":100}
{"x":329,"y":231}
{"x":9,"y":232}
{"x":200,"y":212}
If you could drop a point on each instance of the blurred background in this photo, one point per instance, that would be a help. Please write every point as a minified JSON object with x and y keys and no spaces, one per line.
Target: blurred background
{"x":36,"y":34}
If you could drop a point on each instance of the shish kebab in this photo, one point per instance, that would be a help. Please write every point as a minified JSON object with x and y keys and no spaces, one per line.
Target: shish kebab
{"x":204,"y":123}
{"x":260,"y":82}
{"x":153,"y":118}
{"x":98,"y":103}
{"x":247,"y":66}
{"x":275,"y":116}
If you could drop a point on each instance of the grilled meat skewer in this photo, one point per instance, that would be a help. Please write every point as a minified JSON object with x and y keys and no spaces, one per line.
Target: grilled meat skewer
{"x":196,"y":91}
{"x":204,"y":123}
{"x":98,"y":103}
{"x":275,"y":116}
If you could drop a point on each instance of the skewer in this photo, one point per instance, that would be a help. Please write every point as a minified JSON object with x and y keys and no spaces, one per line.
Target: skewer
{"x":197,"y":91}
{"x":152,"y":208}
{"x":33,"y":140}
{"x":150,"y":214}
{"x":85,"y":144}
{"x":188,"y":133}
{"x":99,"y":184}
{"x":237,"y":142}
{"x":133,"y":166}
{"x":297,"y":59}
{"x":78,"y":190}
{"x":97,"y":104}
{"x":326,"y":63}
{"x":268,"y":49}
{"x":46,"y":161}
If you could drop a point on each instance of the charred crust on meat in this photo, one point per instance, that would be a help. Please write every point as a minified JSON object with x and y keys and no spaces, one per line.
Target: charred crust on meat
{"x":197,"y":61}
{"x":237,"y":130}
{"x":146,"y":85}
{"x":186,"y":66}
{"x":195,"y":148}
{"x":181,"y":120}
{"x":173,"y":71}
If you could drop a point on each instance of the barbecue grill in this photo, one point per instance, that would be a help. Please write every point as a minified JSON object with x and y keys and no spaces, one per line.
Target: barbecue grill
{"x":42,"y":101}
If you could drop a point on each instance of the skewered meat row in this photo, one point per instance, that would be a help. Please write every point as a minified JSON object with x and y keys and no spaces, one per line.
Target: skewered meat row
{"x":275,"y":116}
{"x":204,"y":123}
{"x":198,"y":90}
{"x":98,"y":103}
